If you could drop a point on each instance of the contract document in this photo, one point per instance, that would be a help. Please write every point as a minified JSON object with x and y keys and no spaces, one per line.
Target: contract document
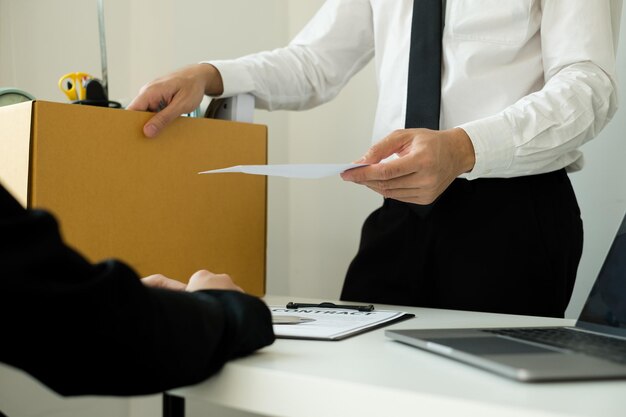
{"x":330,"y":323}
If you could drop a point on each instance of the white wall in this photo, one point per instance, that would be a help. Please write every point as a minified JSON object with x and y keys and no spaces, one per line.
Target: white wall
{"x":325,"y":216}
{"x":313,"y":226}
{"x":601,"y":189}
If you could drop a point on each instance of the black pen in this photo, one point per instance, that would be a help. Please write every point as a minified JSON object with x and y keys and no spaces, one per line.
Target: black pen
{"x":326,"y":304}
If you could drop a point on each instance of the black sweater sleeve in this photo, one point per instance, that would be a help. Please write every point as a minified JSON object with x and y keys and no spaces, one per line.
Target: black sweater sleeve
{"x":96,"y":329}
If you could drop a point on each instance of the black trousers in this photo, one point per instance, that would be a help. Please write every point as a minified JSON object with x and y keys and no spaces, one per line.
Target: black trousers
{"x":505,"y":245}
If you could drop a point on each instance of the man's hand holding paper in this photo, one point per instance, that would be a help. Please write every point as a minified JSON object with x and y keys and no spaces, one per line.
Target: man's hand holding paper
{"x":428,"y":161}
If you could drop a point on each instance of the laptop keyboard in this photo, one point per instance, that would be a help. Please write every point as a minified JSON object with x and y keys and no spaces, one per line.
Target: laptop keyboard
{"x":609,"y":348}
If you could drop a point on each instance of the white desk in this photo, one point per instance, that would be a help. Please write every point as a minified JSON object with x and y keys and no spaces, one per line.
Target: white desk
{"x":370,"y":375}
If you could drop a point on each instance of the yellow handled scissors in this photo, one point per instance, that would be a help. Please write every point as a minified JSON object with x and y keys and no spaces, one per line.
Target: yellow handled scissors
{"x":73,"y":85}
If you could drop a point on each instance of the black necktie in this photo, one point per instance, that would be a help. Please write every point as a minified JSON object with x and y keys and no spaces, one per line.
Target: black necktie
{"x":424,"y":82}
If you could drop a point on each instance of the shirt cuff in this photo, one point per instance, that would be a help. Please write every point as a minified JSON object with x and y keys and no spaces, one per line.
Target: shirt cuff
{"x":494,"y":146}
{"x":235,"y":77}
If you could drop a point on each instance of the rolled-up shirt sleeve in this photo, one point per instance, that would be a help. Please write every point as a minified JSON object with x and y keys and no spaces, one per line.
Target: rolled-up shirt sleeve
{"x":545,"y":129}
{"x":314,"y":67}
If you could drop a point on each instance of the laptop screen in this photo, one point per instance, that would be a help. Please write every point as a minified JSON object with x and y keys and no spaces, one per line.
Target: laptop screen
{"x":605,"y":309}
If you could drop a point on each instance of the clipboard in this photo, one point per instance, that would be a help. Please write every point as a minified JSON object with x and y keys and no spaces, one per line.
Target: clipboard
{"x":332,"y":324}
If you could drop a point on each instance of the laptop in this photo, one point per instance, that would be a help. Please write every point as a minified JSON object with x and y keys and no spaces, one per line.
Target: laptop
{"x":595,"y":348}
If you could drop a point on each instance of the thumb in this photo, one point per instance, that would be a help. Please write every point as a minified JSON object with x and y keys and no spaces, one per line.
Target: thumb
{"x":386,"y":147}
{"x":159,"y":121}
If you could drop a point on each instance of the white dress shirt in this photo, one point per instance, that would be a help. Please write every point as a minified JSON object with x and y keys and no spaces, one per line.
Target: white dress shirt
{"x":530,"y":81}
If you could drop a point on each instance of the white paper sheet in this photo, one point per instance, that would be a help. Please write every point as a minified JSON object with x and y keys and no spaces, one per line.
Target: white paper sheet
{"x":310,"y":171}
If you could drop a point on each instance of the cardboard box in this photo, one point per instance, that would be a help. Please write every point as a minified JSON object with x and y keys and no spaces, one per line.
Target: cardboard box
{"x":120,"y":195}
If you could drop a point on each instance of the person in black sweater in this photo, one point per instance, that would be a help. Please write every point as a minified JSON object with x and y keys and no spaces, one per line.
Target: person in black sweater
{"x":84,"y":329}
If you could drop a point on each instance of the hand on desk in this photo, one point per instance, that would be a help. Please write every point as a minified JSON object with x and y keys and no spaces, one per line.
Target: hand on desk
{"x":201,"y":280}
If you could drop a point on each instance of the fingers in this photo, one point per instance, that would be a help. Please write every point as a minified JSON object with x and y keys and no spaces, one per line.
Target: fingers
{"x":159,"y":121}
{"x":153,"y":97}
{"x":388,"y":187}
{"x":408,"y":195}
{"x":168,"y":105}
{"x":201,"y":280}
{"x":161,"y":281}
{"x":139,"y":103}
{"x":385,"y":171}
{"x":420,"y":173}
{"x":409,"y":188}
{"x":205,"y":280}
{"x":396,"y":142}
{"x":172,"y":95}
